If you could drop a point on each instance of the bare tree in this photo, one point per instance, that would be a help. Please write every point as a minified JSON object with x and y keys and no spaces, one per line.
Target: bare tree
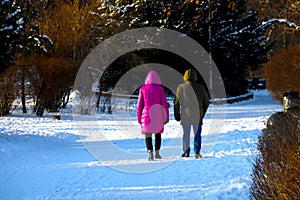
{"x":67,"y":24}
{"x":283,"y":71}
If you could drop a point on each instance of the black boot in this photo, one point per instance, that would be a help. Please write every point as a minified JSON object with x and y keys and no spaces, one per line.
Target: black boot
{"x":185,"y":155}
{"x":198,"y":156}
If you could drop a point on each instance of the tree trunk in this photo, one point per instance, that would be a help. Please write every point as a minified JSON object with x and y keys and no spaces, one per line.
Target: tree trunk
{"x":98,"y":98}
{"x":66,"y":98}
{"x":39,"y":104}
{"x":40,"y":110}
{"x":23,"y":98}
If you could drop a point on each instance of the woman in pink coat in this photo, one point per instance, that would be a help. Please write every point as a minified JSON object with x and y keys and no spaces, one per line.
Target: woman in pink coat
{"x":152,"y":112}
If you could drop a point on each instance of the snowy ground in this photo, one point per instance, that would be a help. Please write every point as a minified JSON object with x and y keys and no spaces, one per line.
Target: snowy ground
{"x":103,"y":157}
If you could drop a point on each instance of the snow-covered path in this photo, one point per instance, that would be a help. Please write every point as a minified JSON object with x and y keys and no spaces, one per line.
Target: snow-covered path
{"x":42,"y":158}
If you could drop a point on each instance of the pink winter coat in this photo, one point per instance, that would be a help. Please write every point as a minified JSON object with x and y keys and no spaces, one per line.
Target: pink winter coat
{"x":152,"y":106}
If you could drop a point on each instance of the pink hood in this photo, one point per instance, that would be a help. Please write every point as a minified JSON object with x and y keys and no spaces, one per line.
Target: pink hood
{"x":152,"y":77}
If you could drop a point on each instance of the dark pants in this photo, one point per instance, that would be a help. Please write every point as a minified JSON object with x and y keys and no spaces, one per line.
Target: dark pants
{"x":148,"y":140}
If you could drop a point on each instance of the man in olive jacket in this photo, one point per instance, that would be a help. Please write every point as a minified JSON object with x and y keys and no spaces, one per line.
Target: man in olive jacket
{"x":190,"y":105}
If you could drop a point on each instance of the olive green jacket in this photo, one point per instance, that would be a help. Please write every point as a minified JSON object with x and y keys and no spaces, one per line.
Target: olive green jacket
{"x":191,"y":101}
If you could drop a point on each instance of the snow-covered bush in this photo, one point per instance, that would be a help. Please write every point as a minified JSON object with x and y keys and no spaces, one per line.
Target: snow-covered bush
{"x":83,"y":105}
{"x":276,"y":173}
